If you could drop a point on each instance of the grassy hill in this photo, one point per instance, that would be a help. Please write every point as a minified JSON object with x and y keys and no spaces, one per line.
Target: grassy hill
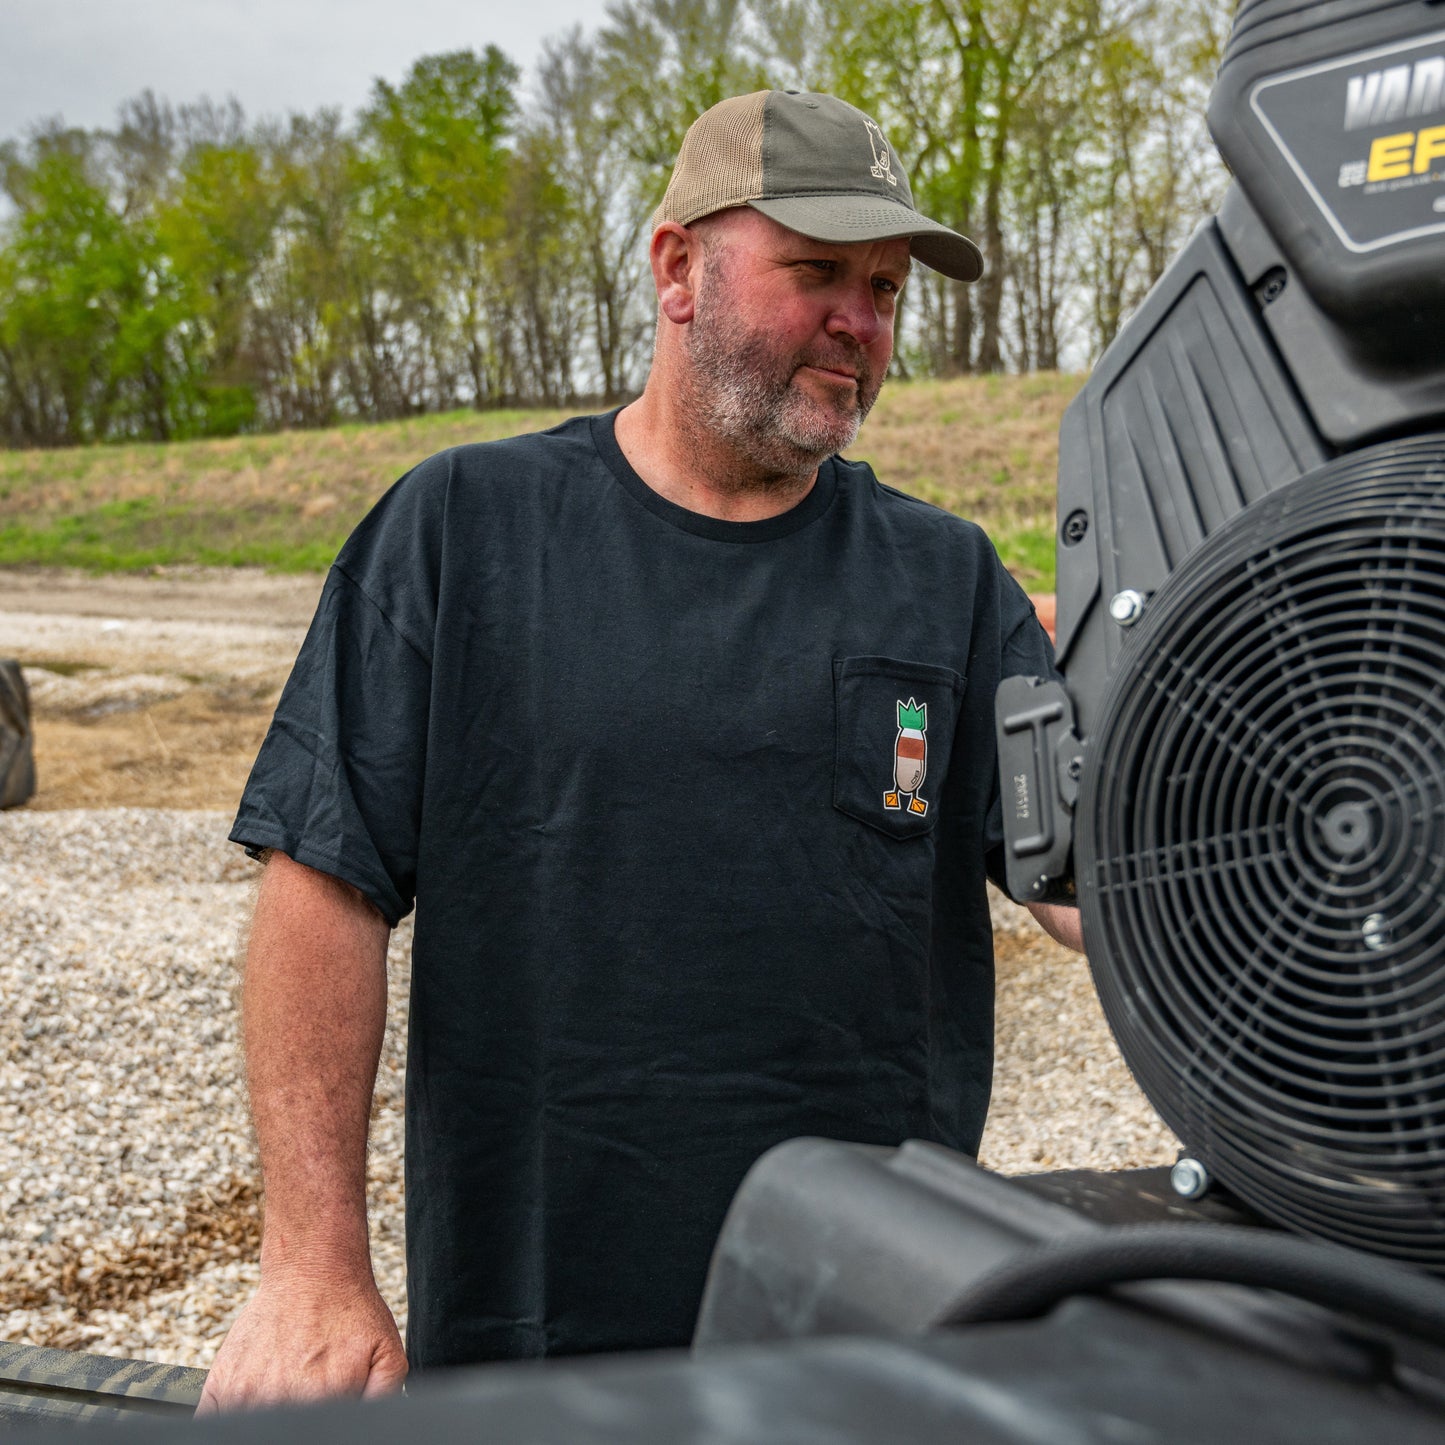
{"x":984,"y":447}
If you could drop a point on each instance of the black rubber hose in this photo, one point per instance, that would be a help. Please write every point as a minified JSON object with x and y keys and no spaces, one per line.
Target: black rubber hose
{"x":1377,"y":1290}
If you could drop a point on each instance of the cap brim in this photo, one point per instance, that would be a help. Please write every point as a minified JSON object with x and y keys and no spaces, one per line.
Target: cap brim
{"x":844,"y":219}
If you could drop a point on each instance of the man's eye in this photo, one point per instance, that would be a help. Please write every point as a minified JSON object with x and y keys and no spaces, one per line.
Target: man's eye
{"x":827,"y":267}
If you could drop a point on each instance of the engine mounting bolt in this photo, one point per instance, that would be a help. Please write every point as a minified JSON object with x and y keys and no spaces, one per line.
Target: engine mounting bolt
{"x":1127,"y":607}
{"x":1189,"y":1179}
{"x":1375,"y":932}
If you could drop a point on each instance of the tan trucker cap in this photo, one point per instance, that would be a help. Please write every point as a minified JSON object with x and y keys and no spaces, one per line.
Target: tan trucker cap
{"x":812,"y":163}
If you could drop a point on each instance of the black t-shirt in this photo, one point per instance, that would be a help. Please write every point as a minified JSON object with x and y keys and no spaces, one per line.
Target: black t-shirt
{"x":652,"y":781}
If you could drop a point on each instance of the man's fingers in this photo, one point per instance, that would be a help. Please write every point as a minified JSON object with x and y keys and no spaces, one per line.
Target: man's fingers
{"x":341,"y":1380}
{"x":386,"y":1378}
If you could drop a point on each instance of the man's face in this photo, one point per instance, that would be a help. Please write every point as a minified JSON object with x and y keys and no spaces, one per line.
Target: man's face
{"x":790,"y":338}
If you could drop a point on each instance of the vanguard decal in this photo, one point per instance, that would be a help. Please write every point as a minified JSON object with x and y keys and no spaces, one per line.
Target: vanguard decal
{"x":1380,"y":178}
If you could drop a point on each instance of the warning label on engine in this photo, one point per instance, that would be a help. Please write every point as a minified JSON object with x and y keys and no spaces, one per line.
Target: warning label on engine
{"x":1366,"y":137}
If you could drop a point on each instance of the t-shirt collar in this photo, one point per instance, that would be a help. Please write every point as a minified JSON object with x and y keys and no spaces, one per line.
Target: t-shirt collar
{"x":818,"y":500}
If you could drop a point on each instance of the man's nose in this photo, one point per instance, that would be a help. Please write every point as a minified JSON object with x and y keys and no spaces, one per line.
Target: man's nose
{"x":856,"y":314}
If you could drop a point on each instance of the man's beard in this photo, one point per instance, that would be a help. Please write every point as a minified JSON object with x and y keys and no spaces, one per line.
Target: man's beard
{"x":743,"y":391}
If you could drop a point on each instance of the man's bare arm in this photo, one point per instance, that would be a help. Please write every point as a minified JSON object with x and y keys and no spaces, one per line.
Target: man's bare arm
{"x":314,"y":1008}
{"x":1061,"y":922}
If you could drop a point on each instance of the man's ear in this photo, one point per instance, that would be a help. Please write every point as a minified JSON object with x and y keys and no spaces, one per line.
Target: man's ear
{"x":676,"y":256}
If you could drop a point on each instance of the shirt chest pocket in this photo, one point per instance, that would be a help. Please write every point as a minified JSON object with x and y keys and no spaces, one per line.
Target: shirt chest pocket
{"x":895,"y":723}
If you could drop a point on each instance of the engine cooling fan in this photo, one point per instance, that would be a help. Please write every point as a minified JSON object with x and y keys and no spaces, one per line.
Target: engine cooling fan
{"x":1260,"y":852}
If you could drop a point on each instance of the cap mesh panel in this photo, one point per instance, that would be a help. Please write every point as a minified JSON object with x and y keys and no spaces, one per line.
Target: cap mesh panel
{"x":720,"y":163}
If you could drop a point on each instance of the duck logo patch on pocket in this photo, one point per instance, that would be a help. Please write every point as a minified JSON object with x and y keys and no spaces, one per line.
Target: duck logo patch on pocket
{"x":910,"y":759}
{"x":895,"y":724}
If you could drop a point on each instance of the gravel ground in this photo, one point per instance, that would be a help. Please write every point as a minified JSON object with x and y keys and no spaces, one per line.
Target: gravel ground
{"x":128,"y":1178}
{"x":128,"y":1175}
{"x":1063,"y":1098}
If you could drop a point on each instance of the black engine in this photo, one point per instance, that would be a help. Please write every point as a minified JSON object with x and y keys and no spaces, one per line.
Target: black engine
{"x":1244,"y":780}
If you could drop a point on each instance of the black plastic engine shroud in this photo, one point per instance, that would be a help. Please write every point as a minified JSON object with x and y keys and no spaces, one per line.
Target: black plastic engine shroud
{"x":1262,"y":824}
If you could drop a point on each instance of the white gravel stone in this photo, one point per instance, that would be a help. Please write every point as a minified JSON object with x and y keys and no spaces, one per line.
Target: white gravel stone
{"x":127,"y":1165}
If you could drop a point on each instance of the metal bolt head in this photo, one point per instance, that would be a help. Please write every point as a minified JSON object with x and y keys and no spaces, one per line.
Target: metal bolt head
{"x":1270,"y":287}
{"x":1375,"y":931}
{"x":1189,"y":1179}
{"x":1126,"y":607}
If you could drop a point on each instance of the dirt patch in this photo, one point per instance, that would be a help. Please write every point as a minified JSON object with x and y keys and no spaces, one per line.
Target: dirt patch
{"x":183,"y":594}
{"x":194,"y":751}
{"x":151,"y":691}
{"x":218,"y":1226}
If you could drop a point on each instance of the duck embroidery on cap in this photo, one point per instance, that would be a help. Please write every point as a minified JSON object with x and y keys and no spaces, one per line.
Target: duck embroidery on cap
{"x":882,"y":168}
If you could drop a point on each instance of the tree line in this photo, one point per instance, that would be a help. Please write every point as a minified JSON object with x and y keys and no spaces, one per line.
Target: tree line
{"x":474,"y":237}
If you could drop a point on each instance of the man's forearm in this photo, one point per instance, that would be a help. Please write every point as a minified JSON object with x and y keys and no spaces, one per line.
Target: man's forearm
{"x":314,"y":1008}
{"x":1061,"y":922}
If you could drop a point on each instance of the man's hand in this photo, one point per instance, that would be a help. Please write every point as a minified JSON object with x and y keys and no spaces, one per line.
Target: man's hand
{"x":306,"y":1339}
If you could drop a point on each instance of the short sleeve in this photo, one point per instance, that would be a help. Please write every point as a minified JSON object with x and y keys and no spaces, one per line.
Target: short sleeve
{"x":338,"y":782}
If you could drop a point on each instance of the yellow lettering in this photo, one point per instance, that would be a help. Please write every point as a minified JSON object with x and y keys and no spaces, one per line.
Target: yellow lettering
{"x":1390,"y":157}
{"x":1429,"y":147}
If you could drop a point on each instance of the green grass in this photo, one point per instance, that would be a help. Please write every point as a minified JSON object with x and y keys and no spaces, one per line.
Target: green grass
{"x":985,"y":447}
{"x":141,"y":533}
{"x":1029,"y":553}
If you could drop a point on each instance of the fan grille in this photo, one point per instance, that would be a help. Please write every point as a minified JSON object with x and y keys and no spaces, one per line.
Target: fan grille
{"x":1261,"y":853}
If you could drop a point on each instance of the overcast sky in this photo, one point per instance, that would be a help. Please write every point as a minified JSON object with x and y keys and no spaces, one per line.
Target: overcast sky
{"x":81,"y":58}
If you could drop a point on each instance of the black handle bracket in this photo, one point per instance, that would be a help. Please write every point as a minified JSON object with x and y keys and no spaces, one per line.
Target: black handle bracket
{"x":1040,"y":761}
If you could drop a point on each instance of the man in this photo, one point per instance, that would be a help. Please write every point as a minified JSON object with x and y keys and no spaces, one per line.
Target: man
{"x":678,"y":731}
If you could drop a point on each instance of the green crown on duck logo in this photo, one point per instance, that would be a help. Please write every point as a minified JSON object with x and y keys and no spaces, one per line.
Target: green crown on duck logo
{"x":913,"y":715}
